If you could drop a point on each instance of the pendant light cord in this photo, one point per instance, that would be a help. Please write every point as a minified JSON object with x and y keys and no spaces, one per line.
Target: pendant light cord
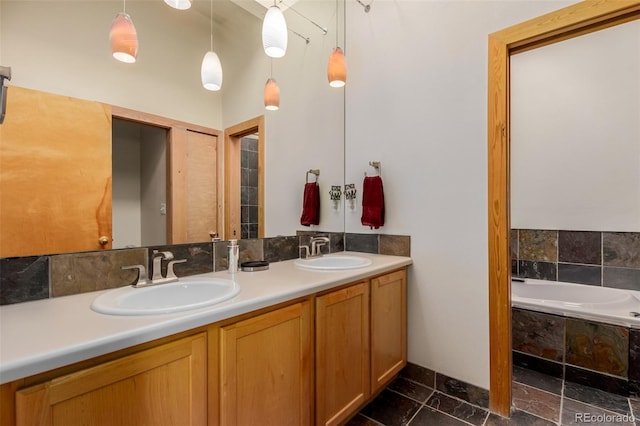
{"x":336,"y":23}
{"x":211,"y":16}
{"x":124,"y":6}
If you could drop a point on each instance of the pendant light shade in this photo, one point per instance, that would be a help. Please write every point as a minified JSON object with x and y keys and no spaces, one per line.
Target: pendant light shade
{"x":124,"y":39}
{"x":179,"y":4}
{"x":274,"y":33}
{"x":337,"y":70}
{"x":211,"y":71}
{"x":271,"y":95}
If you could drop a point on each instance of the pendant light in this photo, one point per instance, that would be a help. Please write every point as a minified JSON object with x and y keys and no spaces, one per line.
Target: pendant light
{"x":179,"y":4}
{"x":124,"y":38}
{"x":274,"y":33}
{"x":337,"y":69}
{"x":271,"y":93}
{"x":211,"y":70}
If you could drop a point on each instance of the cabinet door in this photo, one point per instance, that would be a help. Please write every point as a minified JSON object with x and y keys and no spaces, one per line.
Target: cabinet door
{"x":342,"y":353}
{"x":266,"y":369}
{"x":55,"y":174}
{"x":388,"y":327}
{"x":165,"y":385}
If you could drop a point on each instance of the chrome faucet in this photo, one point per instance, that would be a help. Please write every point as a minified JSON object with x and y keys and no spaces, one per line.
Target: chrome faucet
{"x":157,"y":277}
{"x":158,"y":257}
{"x":316,"y":243}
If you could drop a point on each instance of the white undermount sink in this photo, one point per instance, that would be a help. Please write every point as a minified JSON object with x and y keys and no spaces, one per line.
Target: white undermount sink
{"x":185,"y":294}
{"x":333,"y":262}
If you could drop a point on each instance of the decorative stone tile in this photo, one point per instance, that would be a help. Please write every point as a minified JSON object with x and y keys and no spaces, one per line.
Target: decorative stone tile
{"x":596,"y":397}
{"x":429,"y":416}
{"x":391,"y":408}
{"x":538,"y":270}
{"x":621,"y":249}
{"x":580,"y":274}
{"x":604,"y":382}
{"x":536,"y":401}
{"x":537,"y":245}
{"x":199,"y":258}
{"x":395,"y":245}
{"x":365,"y":243}
{"x":538,"y":334}
{"x":23,"y":279}
{"x":537,"y":380}
{"x":419,"y":374}
{"x":278,"y":249}
{"x":410,"y":389}
{"x":91,"y":271}
{"x":514,"y":244}
{"x":220,"y":256}
{"x":634,"y":392}
{"x":518,"y":418}
{"x":596,"y":346}
{"x":625,"y":278}
{"x":514,"y":268}
{"x":634,"y":354}
{"x":541,"y":365}
{"x":457,"y":408}
{"x":580,"y":247}
{"x":465,"y":391}
{"x":253,"y":249}
{"x":577,"y":413}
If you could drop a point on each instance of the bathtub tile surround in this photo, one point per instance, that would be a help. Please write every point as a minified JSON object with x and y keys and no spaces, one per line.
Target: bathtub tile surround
{"x":634,"y":363}
{"x":91,"y":271}
{"x":39,"y":277}
{"x":610,"y":259}
{"x":596,"y":346}
{"x":590,"y":353}
{"x":538,"y":334}
{"x":23,"y":279}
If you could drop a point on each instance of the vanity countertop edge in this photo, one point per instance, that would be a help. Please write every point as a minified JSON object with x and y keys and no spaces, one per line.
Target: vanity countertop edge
{"x":42,"y":335}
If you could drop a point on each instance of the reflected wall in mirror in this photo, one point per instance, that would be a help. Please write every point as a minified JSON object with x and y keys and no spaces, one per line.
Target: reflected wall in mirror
{"x":575,"y":132}
{"x":307,"y":131}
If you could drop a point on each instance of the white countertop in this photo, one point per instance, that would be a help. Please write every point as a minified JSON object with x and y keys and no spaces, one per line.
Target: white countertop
{"x":45,"y":334}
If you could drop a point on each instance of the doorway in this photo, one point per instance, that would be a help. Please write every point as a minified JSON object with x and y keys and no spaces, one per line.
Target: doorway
{"x":244,"y":180}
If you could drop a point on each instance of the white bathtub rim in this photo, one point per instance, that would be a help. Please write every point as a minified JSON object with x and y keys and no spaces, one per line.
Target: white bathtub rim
{"x":615,"y":312}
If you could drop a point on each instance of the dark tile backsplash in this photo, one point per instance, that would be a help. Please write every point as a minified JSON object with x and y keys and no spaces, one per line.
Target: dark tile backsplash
{"x":24,"y":279}
{"x":610,"y":259}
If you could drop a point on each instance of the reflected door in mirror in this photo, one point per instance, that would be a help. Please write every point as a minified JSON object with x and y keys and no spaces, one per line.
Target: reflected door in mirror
{"x":55,"y":174}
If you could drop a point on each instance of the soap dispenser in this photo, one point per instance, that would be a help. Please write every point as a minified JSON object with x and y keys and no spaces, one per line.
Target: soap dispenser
{"x":234,"y":255}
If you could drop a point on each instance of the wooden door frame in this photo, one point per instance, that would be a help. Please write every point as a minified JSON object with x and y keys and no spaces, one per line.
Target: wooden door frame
{"x":232,"y":136}
{"x":572,"y":21}
{"x":176,"y":196}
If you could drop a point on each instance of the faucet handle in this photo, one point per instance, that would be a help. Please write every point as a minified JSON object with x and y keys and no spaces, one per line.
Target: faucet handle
{"x":170,"y":273}
{"x":166,"y":255}
{"x":142,"y":274}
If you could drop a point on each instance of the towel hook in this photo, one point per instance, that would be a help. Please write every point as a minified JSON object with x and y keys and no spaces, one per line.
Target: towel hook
{"x":375,"y":165}
{"x":315,"y":172}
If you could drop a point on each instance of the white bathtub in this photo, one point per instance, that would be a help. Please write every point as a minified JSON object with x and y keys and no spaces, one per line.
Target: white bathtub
{"x":601,"y":304}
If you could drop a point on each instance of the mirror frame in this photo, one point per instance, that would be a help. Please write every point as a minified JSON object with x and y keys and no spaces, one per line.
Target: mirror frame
{"x":572,"y":21}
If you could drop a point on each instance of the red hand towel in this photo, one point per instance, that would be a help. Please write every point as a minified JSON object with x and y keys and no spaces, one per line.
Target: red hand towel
{"x":311,"y":205}
{"x":372,"y":202}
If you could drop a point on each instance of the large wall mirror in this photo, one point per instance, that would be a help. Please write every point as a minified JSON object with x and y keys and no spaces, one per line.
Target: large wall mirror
{"x":307,"y":132}
{"x":584,"y":18}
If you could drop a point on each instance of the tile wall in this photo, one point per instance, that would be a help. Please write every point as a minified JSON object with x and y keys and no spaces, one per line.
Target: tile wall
{"x":24,"y":279}
{"x":610,"y":259}
{"x":590,"y":353}
{"x":249,"y":187}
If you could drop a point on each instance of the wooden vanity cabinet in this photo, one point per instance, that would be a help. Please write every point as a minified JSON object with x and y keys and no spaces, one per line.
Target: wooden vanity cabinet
{"x":388,"y":327}
{"x":266,"y":368}
{"x":342,"y":353}
{"x":164,"y":385}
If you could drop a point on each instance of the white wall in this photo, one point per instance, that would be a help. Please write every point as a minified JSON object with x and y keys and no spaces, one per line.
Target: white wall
{"x":416,"y":101}
{"x":153,"y":188}
{"x":575,"y":133}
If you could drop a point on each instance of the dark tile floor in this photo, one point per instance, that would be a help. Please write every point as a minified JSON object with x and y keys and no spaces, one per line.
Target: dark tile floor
{"x":538,"y":399}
